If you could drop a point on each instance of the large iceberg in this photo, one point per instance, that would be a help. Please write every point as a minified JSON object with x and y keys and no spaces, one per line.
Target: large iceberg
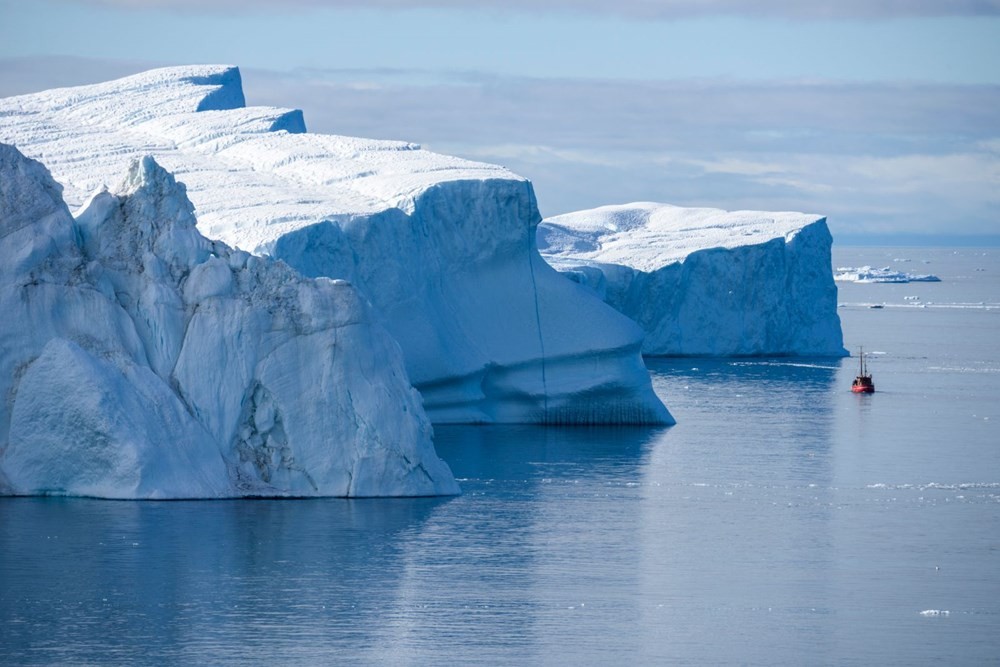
{"x":138,"y":359}
{"x":703,"y":281}
{"x":444,"y":248}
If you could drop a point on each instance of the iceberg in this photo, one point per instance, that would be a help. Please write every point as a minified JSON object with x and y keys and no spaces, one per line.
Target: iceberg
{"x":706,"y":282}
{"x":867,"y":274}
{"x":139,"y":359}
{"x":443,"y":248}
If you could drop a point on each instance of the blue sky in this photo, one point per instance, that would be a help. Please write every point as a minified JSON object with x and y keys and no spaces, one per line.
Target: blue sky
{"x":884,"y":115}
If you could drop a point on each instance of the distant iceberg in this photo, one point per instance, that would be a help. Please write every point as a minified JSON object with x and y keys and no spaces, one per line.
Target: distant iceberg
{"x":867,"y":274}
{"x":138,"y":359}
{"x":704,"y":281}
{"x":443,"y":248}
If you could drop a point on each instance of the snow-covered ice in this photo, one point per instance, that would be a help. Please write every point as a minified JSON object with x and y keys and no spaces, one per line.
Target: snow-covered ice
{"x":139,"y":359}
{"x":704,"y":281}
{"x":444,"y":248}
{"x":867,"y":274}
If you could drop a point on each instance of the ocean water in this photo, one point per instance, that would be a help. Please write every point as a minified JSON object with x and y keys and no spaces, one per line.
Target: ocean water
{"x":783,"y":521}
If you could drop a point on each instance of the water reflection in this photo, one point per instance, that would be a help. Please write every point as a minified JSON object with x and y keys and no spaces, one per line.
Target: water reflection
{"x":738,"y":505}
{"x":179,"y":582}
{"x":740,"y":410}
{"x":535,"y":453}
{"x":754,"y":531}
{"x":537,"y":567}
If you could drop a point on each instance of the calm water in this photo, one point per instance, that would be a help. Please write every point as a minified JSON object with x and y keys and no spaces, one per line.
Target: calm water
{"x":782,"y":521}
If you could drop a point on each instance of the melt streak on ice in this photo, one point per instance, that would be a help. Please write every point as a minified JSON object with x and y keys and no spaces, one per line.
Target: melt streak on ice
{"x":706,"y":282}
{"x":444,"y":248}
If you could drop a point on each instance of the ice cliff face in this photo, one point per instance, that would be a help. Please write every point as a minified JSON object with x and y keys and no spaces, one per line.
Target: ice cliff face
{"x":140,"y":360}
{"x":704,"y":281}
{"x":444,"y":248}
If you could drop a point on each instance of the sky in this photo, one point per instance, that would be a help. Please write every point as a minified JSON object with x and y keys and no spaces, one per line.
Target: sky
{"x":883,"y":115}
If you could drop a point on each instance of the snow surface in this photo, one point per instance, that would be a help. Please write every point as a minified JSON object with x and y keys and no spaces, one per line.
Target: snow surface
{"x":867,"y":274}
{"x":444,"y":248}
{"x":138,"y":359}
{"x":703,"y":281}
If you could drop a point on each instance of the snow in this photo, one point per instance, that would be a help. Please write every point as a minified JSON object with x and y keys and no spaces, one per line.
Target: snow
{"x":867,"y":274}
{"x":444,"y":248}
{"x":142,"y":360}
{"x":703,"y":281}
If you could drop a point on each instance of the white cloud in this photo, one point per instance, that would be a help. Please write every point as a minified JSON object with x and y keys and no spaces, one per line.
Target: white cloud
{"x":962,"y":174}
{"x":738,"y":166}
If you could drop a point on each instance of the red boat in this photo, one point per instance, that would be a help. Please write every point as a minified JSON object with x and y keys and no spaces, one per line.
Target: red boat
{"x":863,"y":383}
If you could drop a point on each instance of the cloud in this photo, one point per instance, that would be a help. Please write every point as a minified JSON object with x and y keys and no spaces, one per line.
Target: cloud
{"x":876,"y":158}
{"x":917,"y":194}
{"x":643,"y":9}
{"x":913,"y":158}
{"x":826,"y":117}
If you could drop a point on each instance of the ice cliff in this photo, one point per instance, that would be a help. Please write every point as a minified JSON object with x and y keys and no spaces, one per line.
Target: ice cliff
{"x":444,"y":248}
{"x":139,"y":359}
{"x":704,"y":281}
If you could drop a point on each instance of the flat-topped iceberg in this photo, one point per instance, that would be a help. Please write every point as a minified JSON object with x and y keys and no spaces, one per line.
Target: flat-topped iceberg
{"x":138,"y":359}
{"x":444,"y":248}
{"x":704,"y":281}
{"x":867,"y":274}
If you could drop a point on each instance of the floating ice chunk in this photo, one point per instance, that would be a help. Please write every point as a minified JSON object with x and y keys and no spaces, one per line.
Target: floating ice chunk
{"x":867,"y":274}
{"x":704,"y":281}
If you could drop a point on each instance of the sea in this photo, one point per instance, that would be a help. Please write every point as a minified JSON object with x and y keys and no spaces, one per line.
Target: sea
{"x":782,"y":521}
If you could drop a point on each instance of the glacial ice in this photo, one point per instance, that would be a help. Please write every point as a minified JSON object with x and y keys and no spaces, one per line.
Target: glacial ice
{"x":706,"y":282}
{"x":867,"y":274}
{"x":444,"y":248}
{"x":139,"y":359}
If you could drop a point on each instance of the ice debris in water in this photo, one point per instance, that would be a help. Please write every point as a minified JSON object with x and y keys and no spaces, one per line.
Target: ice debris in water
{"x":867,"y":274}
